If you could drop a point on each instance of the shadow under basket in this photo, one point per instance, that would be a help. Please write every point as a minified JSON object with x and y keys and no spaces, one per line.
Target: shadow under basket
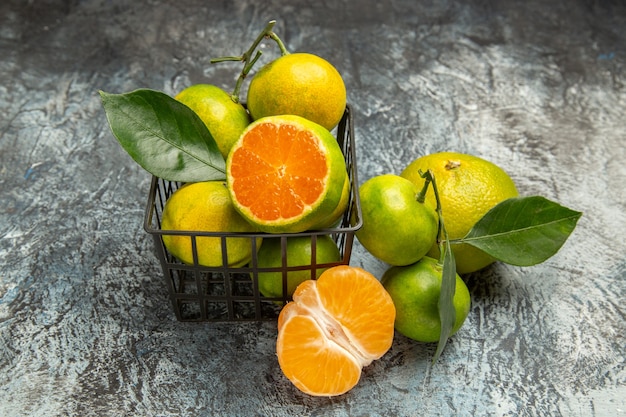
{"x":225,"y":293}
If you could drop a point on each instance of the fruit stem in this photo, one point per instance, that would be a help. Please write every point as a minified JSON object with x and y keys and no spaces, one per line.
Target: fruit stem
{"x":279,"y":42}
{"x":442,"y":234}
{"x":248,"y":59}
{"x":428,"y":178}
{"x":244,"y":73}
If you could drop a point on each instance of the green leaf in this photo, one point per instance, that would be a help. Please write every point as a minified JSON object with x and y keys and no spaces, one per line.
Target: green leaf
{"x":447,"y":313}
{"x":523,"y":231}
{"x":164,"y":136}
{"x":445,"y":304}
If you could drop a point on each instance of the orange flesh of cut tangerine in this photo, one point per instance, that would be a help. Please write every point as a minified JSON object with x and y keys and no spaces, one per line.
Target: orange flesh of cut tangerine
{"x":334,"y":327}
{"x":278,"y":163}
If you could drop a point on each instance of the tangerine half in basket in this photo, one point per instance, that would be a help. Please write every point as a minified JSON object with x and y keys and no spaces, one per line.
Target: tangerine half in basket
{"x":286,"y":174}
{"x":334,"y":326}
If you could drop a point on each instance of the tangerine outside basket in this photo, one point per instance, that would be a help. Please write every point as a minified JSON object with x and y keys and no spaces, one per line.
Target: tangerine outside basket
{"x":201,"y":293}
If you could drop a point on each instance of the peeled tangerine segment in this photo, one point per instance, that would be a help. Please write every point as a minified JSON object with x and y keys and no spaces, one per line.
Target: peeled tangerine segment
{"x":313,"y":362}
{"x":335,"y":326}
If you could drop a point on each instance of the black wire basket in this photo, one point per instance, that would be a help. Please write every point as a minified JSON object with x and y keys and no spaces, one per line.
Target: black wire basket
{"x":224,"y":293}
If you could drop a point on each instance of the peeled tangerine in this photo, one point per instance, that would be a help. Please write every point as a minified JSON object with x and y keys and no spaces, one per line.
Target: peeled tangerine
{"x":335,"y":326}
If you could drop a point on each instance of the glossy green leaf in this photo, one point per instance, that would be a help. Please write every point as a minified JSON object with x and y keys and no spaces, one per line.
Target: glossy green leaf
{"x":445,"y":304}
{"x":447,"y":312}
{"x":164,"y":136}
{"x":523,"y":231}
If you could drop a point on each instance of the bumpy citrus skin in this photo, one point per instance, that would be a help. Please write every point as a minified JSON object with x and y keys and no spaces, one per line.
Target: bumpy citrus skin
{"x":224,"y":118}
{"x":396,"y":229}
{"x":415,"y":291}
{"x":468,"y":187}
{"x":206,"y":207}
{"x":299,"y":253}
{"x":317,"y":165}
{"x":301,"y":84}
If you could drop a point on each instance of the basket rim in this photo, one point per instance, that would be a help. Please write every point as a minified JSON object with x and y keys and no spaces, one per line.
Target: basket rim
{"x":346,"y":123}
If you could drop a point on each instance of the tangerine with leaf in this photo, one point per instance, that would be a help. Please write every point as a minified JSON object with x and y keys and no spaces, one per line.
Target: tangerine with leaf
{"x":469,"y":187}
{"x":415,"y":290}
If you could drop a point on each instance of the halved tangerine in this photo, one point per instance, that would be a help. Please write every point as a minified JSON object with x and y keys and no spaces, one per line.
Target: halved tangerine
{"x":286,"y":174}
{"x":335,"y":326}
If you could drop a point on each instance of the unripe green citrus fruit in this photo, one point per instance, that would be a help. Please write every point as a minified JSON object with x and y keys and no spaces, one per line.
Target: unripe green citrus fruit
{"x":397,"y":229}
{"x":415,"y":291}
{"x":299,"y":252}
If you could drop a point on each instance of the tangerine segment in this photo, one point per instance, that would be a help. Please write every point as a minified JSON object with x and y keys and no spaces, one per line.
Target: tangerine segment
{"x":364,"y":309}
{"x":314,"y":363}
{"x":285,"y":174}
{"x":343,"y":319}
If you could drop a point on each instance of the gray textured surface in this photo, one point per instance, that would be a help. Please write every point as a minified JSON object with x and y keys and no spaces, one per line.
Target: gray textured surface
{"x":86,"y":328}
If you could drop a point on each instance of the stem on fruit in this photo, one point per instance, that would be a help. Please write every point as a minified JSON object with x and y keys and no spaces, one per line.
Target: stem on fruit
{"x":428,"y":177}
{"x":442,"y":234}
{"x":248,"y":59}
{"x":244,"y":73}
{"x":279,"y":42}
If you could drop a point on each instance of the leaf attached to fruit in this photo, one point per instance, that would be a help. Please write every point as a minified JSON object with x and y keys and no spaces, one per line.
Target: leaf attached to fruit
{"x":164,"y":136}
{"x":523,"y":231}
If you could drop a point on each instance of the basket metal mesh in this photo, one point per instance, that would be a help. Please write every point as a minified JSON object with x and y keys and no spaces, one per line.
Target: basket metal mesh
{"x":226,"y":293}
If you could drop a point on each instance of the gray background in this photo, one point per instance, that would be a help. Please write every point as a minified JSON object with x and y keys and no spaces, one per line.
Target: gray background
{"x":86,"y":328}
